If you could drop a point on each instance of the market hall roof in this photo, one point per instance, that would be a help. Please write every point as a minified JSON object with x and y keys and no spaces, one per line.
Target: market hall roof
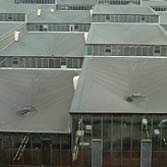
{"x":35,"y":100}
{"x":63,"y":16}
{"x":123,"y":9}
{"x":48,"y":44}
{"x":127,"y":34}
{"x":122,"y":85}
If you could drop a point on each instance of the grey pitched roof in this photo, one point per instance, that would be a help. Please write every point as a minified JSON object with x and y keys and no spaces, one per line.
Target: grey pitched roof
{"x":155,"y":3}
{"x":123,"y":9}
{"x":78,"y":2}
{"x":49,"y":92}
{"x":163,"y":18}
{"x":135,"y":34}
{"x":63,"y":16}
{"x":106,"y":83}
{"x":2,"y":2}
{"x":16,"y":8}
{"x":7,"y":27}
{"x":47,"y":44}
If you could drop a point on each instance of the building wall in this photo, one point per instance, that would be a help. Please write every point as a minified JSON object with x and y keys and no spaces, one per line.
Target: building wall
{"x":164,"y":26}
{"x":121,"y":136}
{"x":120,"y":2}
{"x":73,"y":7}
{"x":52,"y":150}
{"x":126,"y":18}
{"x":12,"y":17}
{"x":36,"y":1}
{"x":83,"y":27}
{"x":159,"y":8}
{"x":123,"y":50}
{"x":34,"y":62}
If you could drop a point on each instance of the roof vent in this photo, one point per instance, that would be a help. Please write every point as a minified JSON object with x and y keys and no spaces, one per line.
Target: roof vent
{"x":26,"y":110}
{"x":91,"y":11}
{"x":75,"y":81}
{"x":86,"y":35}
{"x":16,"y":35}
{"x":52,"y":10}
{"x":39,"y":12}
{"x":134,"y":97}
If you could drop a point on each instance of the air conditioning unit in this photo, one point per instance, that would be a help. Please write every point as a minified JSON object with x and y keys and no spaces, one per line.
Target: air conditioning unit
{"x":156,"y":132}
{"x":84,"y":144}
{"x":75,"y":81}
{"x":88,"y":129}
{"x":80,"y":133}
{"x":63,"y":66}
{"x":144,"y":121}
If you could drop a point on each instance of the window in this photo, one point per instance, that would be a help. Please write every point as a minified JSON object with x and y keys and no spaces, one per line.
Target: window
{"x":63,"y":61}
{"x":45,"y":27}
{"x":108,"y":49}
{"x":76,"y":27}
{"x":71,"y":28}
{"x":15,"y":61}
{"x":107,"y":17}
{"x":10,"y":17}
{"x":157,"y":51}
{"x":40,"y":27}
{"x":142,"y":18}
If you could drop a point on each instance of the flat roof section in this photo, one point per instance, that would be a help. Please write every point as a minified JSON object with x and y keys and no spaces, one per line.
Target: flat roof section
{"x":126,"y":34}
{"x":123,"y":9}
{"x":35,"y":100}
{"x":122,"y":85}
{"x":47,"y":44}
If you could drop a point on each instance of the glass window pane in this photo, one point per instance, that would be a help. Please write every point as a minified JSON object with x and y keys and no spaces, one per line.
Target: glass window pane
{"x":96,"y":127}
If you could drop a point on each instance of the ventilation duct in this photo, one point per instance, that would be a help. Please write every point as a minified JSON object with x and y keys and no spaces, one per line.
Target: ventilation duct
{"x":16,"y":35}
{"x":39,"y":12}
{"x":52,"y":10}
{"x":75,"y":82}
{"x":86,"y":35}
{"x":91,"y":11}
{"x":26,"y":110}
